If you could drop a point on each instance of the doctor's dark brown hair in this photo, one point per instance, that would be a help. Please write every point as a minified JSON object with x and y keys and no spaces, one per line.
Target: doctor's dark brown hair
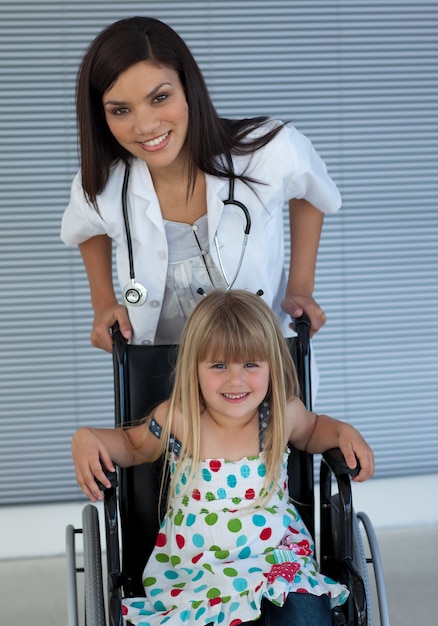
{"x":116,"y":49}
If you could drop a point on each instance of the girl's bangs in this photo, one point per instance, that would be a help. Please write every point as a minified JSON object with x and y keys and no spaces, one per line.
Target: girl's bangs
{"x":234,"y":347}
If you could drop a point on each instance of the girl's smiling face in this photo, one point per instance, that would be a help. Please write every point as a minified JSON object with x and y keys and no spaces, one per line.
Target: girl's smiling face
{"x":233,"y":389}
{"x":147,"y":113}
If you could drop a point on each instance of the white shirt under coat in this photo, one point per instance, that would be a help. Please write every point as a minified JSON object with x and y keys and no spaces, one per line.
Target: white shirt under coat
{"x":289,"y":168}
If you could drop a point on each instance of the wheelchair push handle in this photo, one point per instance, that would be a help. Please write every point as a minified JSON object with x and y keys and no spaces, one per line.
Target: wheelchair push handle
{"x":119,"y":342}
{"x":303,"y":321}
{"x":112,"y":477}
{"x":116,"y":333}
{"x":302,"y":327}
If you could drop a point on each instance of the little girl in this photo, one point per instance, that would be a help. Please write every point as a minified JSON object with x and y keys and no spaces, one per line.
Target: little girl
{"x":232,"y":548}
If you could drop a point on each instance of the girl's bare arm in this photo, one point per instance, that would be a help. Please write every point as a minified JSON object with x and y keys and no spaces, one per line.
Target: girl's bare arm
{"x":318,"y":433}
{"x":97,"y":449}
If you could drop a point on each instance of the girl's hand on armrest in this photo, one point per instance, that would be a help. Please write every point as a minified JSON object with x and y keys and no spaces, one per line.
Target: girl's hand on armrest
{"x":355,"y":448}
{"x":90,"y":456}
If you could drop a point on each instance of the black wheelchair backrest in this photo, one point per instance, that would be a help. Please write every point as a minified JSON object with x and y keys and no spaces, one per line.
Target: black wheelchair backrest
{"x":142,"y":379}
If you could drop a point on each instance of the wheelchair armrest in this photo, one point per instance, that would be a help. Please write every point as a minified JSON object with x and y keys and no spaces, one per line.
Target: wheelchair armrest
{"x":336,"y":462}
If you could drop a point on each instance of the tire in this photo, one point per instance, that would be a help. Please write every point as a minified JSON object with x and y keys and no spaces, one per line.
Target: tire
{"x":93,"y":585}
{"x":72,"y":589}
{"x":360,"y":562}
{"x":376,"y":566}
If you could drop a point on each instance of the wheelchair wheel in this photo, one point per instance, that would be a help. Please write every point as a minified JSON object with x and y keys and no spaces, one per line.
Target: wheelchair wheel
{"x":93,"y":584}
{"x":72,"y":589}
{"x":360,"y":562}
{"x":375,"y":561}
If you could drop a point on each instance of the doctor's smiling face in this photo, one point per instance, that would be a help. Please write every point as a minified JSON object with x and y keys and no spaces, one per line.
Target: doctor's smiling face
{"x":147,"y":113}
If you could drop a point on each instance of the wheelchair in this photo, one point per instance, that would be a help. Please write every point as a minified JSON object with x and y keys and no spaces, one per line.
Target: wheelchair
{"x":142,"y":379}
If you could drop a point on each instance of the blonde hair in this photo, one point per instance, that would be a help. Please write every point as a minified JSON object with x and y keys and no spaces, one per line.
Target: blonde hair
{"x":231,"y":326}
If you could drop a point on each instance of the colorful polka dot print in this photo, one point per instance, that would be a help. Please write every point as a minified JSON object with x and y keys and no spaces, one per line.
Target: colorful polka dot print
{"x":219,"y":553}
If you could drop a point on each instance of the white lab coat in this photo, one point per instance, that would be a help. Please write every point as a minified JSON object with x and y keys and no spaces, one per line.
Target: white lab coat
{"x":288,"y":166}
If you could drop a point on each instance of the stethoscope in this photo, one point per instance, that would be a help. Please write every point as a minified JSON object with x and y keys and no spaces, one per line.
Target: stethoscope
{"x":134,"y":293}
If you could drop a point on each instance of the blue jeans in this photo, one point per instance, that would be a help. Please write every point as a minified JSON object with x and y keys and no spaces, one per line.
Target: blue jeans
{"x":300,"y":609}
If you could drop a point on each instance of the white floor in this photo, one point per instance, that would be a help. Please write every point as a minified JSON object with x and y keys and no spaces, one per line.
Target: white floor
{"x":33,"y":591}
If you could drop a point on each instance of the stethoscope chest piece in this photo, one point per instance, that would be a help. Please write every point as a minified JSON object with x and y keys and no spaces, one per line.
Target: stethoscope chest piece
{"x":135,"y":293}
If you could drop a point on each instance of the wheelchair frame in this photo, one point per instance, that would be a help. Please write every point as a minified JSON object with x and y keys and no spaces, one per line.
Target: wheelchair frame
{"x":142,"y":378}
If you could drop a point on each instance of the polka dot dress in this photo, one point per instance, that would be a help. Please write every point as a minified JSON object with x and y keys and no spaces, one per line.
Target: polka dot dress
{"x":216,"y":557}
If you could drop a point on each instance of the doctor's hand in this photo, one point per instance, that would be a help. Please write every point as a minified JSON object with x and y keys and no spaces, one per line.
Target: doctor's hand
{"x":104,"y":319}
{"x":296,"y":304}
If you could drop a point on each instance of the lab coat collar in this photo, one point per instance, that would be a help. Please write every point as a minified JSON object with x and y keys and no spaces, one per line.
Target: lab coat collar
{"x":141,"y":185}
{"x":140,"y":181}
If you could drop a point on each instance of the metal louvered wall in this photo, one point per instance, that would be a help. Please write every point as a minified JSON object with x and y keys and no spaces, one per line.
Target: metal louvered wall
{"x":360,"y":79}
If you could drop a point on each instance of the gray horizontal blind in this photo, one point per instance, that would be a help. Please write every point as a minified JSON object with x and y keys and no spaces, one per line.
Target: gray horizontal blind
{"x":360,"y":79}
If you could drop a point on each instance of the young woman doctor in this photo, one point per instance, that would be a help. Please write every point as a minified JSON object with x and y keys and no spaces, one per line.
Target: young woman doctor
{"x":157,"y":168}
